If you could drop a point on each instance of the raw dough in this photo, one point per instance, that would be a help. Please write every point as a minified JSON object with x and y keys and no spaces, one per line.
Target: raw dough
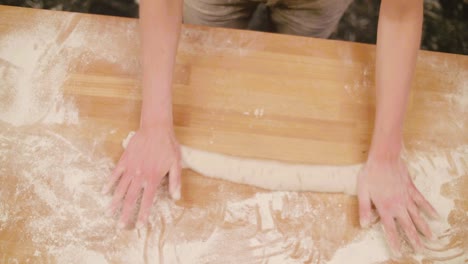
{"x":272,"y":175}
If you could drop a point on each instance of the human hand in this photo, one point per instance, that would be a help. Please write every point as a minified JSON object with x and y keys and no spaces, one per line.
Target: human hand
{"x":150,"y":155}
{"x":388,"y":185}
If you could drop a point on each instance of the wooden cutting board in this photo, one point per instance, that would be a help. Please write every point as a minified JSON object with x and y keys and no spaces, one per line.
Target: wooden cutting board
{"x":249,"y":94}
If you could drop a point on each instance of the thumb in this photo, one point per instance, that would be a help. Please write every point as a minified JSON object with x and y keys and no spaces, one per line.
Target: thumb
{"x":174,"y":180}
{"x":364,"y":206}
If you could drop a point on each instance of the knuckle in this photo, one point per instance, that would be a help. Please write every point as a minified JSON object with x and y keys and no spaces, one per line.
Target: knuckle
{"x":416,"y":196}
{"x":389,"y":206}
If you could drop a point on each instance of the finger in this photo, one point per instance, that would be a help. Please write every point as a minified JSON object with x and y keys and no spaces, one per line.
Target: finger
{"x":115,"y":176}
{"x":119,"y":193}
{"x":129,"y":202}
{"x":408,"y":227}
{"x":421,"y":202}
{"x":391,"y":233}
{"x":174,"y":180}
{"x":365,"y":206}
{"x":116,"y":173}
{"x":146,"y":203}
{"x":421,"y":225}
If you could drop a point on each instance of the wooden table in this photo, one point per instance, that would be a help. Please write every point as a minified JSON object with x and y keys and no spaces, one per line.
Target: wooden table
{"x":249,"y":94}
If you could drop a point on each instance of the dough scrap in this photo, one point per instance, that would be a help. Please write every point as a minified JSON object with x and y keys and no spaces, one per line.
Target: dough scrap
{"x":269,"y":174}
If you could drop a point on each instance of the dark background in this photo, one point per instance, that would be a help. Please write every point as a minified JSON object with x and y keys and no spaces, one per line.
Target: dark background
{"x":445,"y":21}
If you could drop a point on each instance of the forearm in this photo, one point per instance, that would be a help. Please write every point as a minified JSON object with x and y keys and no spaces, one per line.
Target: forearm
{"x":160,"y":23}
{"x":398,"y":40}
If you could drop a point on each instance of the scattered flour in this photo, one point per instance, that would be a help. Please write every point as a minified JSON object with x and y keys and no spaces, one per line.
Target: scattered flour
{"x":53,"y":176}
{"x":60,"y":192}
{"x":79,"y":254}
{"x":359,"y":91}
{"x":35,"y":63}
{"x":56,"y":178}
{"x":3,"y":215}
{"x":35,"y":68}
{"x":430,"y":172}
{"x":259,"y":112}
{"x":194,"y":40}
{"x":371,"y":248}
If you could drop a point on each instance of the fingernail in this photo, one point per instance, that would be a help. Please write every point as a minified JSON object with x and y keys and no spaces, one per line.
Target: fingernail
{"x":104,"y":190}
{"x":364,"y":222}
{"x":176,"y":194}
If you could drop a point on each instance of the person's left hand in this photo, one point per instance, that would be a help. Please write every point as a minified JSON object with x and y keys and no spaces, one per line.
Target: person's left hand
{"x":152,"y":153}
{"x":388,"y":185}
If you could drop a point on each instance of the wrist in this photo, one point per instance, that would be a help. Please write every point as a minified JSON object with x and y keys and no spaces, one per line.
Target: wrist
{"x":156,"y":108}
{"x":387,"y":139}
{"x":156,"y":124}
{"x":156,"y":117}
{"x":385,"y":149}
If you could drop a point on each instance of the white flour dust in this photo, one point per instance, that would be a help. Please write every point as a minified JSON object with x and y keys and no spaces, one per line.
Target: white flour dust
{"x":60,"y":192}
{"x":53,"y":177}
{"x":446,"y":81}
{"x":35,"y":62}
{"x":54,"y":185}
{"x":259,"y":112}
{"x":273,"y":226}
{"x":200,"y":41}
{"x":430,"y":172}
{"x":35,"y":68}
{"x":360,"y":89}
{"x":58,"y":183}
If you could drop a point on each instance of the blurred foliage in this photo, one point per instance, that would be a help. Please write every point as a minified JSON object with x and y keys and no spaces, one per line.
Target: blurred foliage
{"x":445,"y":26}
{"x":445,"y":21}
{"x":126,"y":8}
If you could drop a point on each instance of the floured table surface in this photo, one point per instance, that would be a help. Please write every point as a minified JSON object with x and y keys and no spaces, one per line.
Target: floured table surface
{"x":69,"y":94}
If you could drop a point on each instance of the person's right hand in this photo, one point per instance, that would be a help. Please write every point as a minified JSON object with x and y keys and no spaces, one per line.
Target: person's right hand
{"x":151,"y":154}
{"x":386,"y":183}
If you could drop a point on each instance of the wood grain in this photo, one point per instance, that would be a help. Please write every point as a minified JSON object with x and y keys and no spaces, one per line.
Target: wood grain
{"x":249,"y":94}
